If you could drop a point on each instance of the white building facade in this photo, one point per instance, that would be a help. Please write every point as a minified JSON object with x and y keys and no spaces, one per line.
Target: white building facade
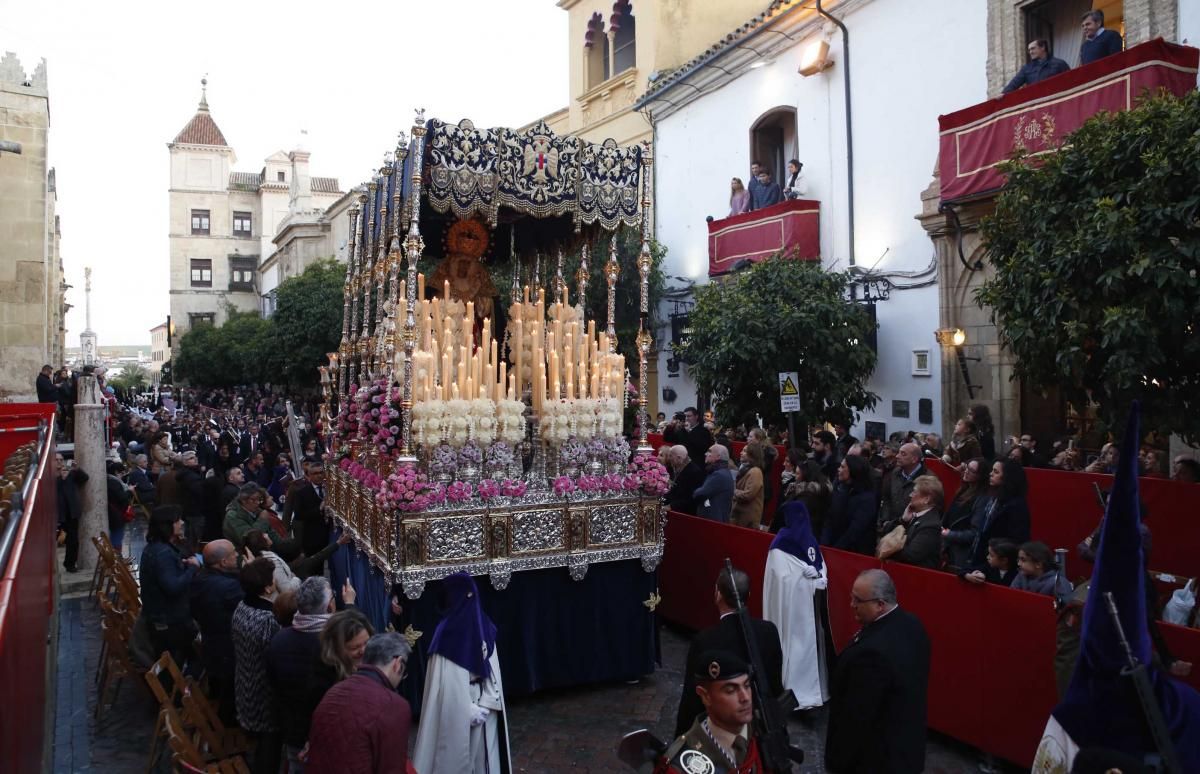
{"x":749,"y":101}
{"x":222,"y":222}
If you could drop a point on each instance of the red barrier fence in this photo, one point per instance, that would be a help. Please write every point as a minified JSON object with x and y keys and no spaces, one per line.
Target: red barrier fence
{"x":1064,"y":510}
{"x":991,"y":683}
{"x":27,"y":555}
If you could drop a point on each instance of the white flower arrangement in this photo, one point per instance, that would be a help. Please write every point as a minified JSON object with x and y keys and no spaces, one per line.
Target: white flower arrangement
{"x":510,"y":418}
{"x":608,"y":418}
{"x":483,"y":421}
{"x":457,"y":422}
{"x":428,"y":422}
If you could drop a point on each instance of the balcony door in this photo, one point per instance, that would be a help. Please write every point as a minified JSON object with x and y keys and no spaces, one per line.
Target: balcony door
{"x":773,"y":141}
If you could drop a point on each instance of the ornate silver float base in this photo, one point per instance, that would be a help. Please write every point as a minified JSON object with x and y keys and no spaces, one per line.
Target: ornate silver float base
{"x":536,"y":532}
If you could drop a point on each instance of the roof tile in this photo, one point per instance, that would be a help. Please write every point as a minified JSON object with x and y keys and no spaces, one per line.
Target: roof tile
{"x":201,"y":130}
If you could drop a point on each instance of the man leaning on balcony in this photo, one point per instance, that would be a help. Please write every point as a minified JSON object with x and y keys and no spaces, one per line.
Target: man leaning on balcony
{"x":1040,"y":66}
{"x":1098,"y":42}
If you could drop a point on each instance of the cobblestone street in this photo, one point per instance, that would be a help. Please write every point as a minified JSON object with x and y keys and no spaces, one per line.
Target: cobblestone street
{"x":575,"y":730}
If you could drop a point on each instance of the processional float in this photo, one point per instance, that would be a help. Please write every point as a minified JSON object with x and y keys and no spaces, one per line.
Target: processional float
{"x":461,"y":449}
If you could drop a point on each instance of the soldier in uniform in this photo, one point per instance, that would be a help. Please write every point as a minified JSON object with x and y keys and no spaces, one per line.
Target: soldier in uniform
{"x":721,"y":740}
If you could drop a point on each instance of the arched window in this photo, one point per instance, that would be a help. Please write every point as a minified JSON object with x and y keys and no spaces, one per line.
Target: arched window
{"x":595,"y":51}
{"x":773,"y":140}
{"x":624,"y":44}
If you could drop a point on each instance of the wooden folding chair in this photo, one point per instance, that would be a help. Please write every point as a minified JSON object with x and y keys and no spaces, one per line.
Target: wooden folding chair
{"x":116,"y":665}
{"x":187,"y":757}
{"x":199,"y":713}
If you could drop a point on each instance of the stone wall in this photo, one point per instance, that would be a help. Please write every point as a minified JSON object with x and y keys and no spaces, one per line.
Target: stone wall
{"x":28,"y":288}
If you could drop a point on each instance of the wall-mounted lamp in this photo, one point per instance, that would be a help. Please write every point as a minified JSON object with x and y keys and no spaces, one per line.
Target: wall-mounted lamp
{"x":815,"y":58}
{"x":956,"y":338}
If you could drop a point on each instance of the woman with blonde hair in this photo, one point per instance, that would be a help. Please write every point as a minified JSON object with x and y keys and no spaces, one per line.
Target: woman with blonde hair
{"x":739,"y":197}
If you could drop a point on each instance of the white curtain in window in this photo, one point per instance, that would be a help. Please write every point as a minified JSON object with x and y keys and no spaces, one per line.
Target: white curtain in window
{"x":1068,"y":30}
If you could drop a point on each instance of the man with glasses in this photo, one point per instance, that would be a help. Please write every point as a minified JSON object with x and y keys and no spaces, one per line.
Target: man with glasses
{"x":877,"y":705}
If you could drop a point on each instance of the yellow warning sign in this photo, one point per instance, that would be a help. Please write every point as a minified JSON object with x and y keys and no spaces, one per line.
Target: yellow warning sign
{"x":789,"y":391}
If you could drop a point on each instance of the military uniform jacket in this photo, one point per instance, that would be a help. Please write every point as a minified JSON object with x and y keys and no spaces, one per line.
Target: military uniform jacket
{"x":697,"y":753}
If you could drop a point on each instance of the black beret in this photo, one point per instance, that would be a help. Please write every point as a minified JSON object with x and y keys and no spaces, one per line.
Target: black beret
{"x":720,"y":665}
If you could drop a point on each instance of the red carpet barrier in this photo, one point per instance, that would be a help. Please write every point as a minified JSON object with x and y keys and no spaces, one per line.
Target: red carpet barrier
{"x":992,"y":678}
{"x":1064,"y":510}
{"x":26,"y":599}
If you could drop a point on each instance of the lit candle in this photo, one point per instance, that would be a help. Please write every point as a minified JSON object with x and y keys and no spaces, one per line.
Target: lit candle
{"x":454,"y":392}
{"x":421,"y":286}
{"x":517,"y":343}
{"x":512,"y":388}
{"x":446,"y":291}
{"x":445,"y":375}
{"x":502,"y":381}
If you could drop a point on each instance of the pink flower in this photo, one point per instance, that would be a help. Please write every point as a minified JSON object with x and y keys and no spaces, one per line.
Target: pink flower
{"x":563,"y":485}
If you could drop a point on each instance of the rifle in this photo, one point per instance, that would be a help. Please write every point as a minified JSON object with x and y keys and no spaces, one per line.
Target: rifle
{"x":1140,"y":677}
{"x":770,"y":723}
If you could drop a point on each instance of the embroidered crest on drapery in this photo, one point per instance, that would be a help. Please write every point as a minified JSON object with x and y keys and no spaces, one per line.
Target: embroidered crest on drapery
{"x":535,"y":172}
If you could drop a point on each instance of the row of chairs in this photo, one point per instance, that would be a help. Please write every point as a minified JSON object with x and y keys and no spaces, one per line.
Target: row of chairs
{"x":16,"y":467}
{"x":194,"y":735}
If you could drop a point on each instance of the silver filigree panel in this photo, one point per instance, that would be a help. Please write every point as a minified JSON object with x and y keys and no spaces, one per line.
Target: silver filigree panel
{"x":537,"y":531}
{"x":609,"y":524}
{"x":455,"y":538}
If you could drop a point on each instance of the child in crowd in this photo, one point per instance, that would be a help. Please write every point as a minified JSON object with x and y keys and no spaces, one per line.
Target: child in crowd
{"x":1037,"y":571}
{"x":1002,"y":558}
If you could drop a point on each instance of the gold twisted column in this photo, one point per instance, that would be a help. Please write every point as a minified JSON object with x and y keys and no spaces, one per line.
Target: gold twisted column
{"x":414,"y":245}
{"x":645,"y":341}
{"x":581,"y":278}
{"x":612,"y":272}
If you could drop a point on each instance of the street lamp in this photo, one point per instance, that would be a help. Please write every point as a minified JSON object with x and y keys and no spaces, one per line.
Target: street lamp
{"x":956,"y":338}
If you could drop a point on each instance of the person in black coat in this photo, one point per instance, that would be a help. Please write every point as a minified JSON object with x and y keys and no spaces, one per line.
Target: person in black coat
{"x":292,"y":658}
{"x":214,"y":595}
{"x":70,"y":507}
{"x":1098,"y":42}
{"x":696,"y":436}
{"x":850,"y":524}
{"x":727,"y":635}
{"x":308,"y":520}
{"x":877,"y":706}
{"x":189,"y":489}
{"x":688,"y":478}
{"x":1003,"y":512}
{"x":46,"y":391}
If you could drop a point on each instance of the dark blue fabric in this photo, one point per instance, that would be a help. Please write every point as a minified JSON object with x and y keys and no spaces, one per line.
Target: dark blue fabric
{"x":370,"y":585}
{"x":551,"y":631}
{"x":1100,"y":708}
{"x":466,"y":635}
{"x":796,"y":537}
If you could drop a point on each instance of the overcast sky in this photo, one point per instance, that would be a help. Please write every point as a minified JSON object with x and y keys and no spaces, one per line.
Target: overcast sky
{"x":125,"y":78}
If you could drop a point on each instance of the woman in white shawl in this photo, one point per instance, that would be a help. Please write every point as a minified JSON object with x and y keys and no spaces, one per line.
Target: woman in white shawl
{"x":795,"y":574}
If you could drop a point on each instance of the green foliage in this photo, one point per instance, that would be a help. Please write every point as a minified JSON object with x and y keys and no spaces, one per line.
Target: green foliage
{"x":780,"y":315}
{"x":1095,"y":250}
{"x":286,"y":348}
{"x":133,"y":377}
{"x":307,"y":323}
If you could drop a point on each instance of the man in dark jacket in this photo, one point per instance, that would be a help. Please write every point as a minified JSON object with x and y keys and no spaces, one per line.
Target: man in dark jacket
{"x":688,"y":477}
{"x":727,"y":635}
{"x":696,"y":436}
{"x":215,"y":594}
{"x":1098,"y":42}
{"x":291,"y":656}
{"x":46,"y":391}
{"x":877,"y":706}
{"x":70,"y":507}
{"x":308,"y":518}
{"x":1040,"y":66}
{"x":898,"y":484}
{"x":189,"y":492}
{"x":362,"y":724}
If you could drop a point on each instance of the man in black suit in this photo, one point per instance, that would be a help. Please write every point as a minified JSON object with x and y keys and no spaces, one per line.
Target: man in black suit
{"x":308,"y":518}
{"x":878,"y":694}
{"x":46,"y":391}
{"x":688,"y":477}
{"x":696,"y":436}
{"x":727,"y":636}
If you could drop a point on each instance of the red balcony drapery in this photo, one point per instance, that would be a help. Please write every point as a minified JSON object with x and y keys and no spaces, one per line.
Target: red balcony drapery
{"x":975,"y":140}
{"x":790,"y":227}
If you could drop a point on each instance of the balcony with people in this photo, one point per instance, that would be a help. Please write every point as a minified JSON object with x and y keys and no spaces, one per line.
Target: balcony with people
{"x":1046,"y":100}
{"x":771,"y":214}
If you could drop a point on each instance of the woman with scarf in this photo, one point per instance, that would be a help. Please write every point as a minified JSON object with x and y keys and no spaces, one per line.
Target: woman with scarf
{"x":794,"y":600}
{"x":463,"y":726}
